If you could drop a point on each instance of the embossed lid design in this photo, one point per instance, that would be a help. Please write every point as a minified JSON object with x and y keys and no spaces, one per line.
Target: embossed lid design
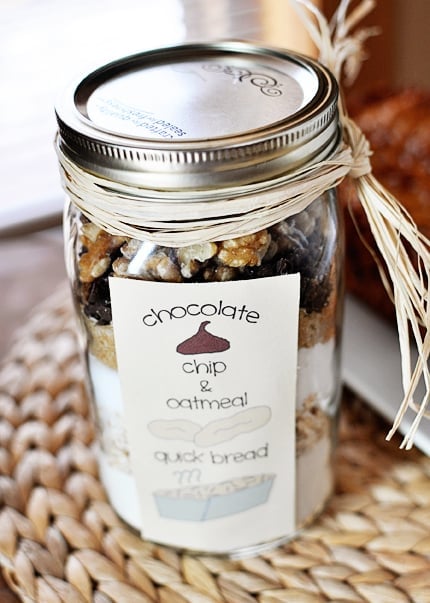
{"x":200,"y":115}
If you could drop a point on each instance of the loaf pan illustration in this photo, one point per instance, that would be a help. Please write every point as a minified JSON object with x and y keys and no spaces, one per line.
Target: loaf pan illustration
{"x":212,"y":501}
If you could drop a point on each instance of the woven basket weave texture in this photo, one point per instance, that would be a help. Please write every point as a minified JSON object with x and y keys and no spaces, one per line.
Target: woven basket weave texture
{"x":60,"y":541}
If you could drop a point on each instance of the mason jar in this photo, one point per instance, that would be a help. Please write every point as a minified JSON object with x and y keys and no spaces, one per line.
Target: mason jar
{"x":209,"y":298}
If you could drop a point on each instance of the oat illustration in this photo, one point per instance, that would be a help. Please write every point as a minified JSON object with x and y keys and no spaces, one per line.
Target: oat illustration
{"x":214,"y":432}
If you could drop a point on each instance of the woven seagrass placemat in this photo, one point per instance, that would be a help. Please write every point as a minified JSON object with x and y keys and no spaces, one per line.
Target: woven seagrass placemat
{"x":60,"y":541}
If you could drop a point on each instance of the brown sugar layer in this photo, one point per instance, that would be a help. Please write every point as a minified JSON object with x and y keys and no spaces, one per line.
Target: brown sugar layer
{"x":318,"y":327}
{"x":101,"y":342}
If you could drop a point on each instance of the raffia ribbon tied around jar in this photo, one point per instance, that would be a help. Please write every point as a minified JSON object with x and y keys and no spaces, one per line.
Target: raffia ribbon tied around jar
{"x":185,"y":218}
{"x":391,"y":226}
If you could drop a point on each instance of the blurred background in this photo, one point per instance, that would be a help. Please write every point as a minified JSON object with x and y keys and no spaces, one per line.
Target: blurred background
{"x":44,"y":44}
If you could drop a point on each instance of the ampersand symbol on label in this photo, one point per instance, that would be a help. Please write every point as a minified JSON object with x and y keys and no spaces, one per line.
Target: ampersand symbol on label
{"x":204,"y":386}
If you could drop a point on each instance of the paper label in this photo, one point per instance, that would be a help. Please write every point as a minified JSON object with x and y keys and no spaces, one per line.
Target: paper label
{"x":208,"y":379}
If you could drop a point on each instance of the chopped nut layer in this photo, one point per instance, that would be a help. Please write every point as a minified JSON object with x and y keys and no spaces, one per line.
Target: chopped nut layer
{"x":303,"y":243}
{"x":244,"y":251}
{"x":99,"y":246}
{"x":191,"y":258}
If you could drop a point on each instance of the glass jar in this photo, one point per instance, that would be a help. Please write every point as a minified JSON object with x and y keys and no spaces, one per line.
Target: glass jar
{"x":213,"y":363}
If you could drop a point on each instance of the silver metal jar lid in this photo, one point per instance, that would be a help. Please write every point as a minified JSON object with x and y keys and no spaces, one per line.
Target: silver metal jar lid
{"x":200,"y":116}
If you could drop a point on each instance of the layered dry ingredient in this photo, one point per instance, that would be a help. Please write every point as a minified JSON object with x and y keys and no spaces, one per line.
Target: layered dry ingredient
{"x":304,"y":243}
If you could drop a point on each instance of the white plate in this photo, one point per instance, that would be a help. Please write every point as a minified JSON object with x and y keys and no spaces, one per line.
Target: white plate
{"x":371,"y":367}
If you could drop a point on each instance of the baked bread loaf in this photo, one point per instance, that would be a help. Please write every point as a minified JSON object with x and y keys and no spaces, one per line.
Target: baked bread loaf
{"x":397,"y":126}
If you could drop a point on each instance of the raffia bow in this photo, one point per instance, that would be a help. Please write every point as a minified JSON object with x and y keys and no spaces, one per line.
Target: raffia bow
{"x":392,"y":227}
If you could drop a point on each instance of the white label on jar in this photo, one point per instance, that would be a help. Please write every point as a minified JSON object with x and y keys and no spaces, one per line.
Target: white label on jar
{"x":208,"y":379}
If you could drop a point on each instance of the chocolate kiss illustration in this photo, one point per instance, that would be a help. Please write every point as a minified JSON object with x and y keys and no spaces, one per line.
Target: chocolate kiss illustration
{"x":203,"y":342}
